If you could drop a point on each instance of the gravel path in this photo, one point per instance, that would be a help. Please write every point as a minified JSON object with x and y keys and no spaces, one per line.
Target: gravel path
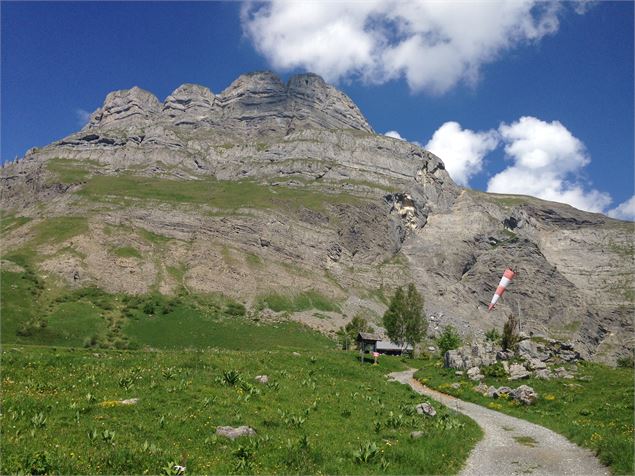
{"x":511,"y":445}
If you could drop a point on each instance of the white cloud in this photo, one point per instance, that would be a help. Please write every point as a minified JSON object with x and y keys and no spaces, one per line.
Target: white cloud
{"x":546,"y":161}
{"x":82,"y":117}
{"x":394,"y":135}
{"x":461,"y":150}
{"x":434,"y":45}
{"x":625,"y":210}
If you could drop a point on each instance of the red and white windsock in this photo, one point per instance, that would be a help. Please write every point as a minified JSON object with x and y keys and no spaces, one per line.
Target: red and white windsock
{"x":508,"y":275}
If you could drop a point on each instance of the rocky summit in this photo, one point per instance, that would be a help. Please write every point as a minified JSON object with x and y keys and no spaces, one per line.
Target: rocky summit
{"x":272,"y":188}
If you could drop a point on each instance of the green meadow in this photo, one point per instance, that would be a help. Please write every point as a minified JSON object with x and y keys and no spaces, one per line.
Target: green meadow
{"x":321,"y":412}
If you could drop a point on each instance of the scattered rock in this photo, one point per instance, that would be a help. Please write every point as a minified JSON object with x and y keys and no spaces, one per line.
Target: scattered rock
{"x":502,"y":355}
{"x":497,"y":392}
{"x":262,"y":379}
{"x":116,"y":403}
{"x":517,"y":371}
{"x":426,"y":408}
{"x":456,"y":385}
{"x":543,"y":374}
{"x":297,"y":354}
{"x":481,"y":388}
{"x":525,"y":394}
{"x":459,"y":373}
{"x":431,"y":349}
{"x":561,"y":372}
{"x":415,"y":435}
{"x":475,"y":374}
{"x":535,"y":364}
{"x":235,"y":432}
{"x":130,"y":401}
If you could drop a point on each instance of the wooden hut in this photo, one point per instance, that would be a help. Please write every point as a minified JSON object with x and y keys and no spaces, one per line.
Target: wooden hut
{"x":366,"y":341}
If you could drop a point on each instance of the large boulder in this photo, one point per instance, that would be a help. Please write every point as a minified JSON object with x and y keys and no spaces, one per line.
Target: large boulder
{"x":525,"y":395}
{"x":517,"y":372}
{"x":453,"y":360}
{"x":529,"y":349}
{"x":536,"y":364}
{"x":466,"y":357}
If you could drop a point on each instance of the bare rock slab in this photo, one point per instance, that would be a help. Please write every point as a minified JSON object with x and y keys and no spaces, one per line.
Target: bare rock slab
{"x":235,"y":432}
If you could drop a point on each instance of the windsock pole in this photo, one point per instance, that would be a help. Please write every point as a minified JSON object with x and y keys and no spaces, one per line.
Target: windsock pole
{"x":508,"y":275}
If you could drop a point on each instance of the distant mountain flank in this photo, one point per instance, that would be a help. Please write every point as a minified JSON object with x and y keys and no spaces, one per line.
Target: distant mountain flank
{"x":273,"y":189}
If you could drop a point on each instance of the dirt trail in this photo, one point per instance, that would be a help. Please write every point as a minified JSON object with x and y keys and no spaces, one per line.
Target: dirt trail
{"x":511,"y":445}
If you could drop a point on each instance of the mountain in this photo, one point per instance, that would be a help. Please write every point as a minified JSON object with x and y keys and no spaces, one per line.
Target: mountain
{"x":270,"y":190}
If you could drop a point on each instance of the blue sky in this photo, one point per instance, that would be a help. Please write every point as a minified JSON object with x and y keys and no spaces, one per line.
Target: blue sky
{"x":516,"y":97}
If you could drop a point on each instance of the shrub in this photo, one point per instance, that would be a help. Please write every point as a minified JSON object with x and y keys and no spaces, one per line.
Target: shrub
{"x":494,"y":371}
{"x":367,"y":453}
{"x":448,"y":340}
{"x":492,"y":335}
{"x":235,"y":309}
{"x":38,"y":463}
{"x":510,"y":333}
{"x":627,"y":362}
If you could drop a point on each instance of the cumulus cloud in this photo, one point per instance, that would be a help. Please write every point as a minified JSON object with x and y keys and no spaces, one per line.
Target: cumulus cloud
{"x":434,"y":45}
{"x":82,"y":117}
{"x":461,"y":150}
{"x":625,"y":210}
{"x":547,"y":160}
{"x":394,"y":135}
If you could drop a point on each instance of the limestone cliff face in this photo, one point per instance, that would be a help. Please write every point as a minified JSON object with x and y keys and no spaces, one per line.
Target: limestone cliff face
{"x":268,"y":186}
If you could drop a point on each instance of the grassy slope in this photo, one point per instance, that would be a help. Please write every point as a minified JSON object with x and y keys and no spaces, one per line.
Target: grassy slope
{"x":187,"y":321}
{"x":318,"y":410}
{"x":595,"y":410}
{"x":223,"y":195}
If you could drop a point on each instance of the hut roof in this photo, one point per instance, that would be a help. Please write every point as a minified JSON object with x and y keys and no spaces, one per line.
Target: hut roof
{"x":387,"y":345}
{"x":367,"y":336}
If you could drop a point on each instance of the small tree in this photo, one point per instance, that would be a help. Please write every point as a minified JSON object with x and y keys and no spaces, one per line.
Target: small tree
{"x":348,"y":333}
{"x":405,"y":320}
{"x":510,"y":333}
{"x":448,"y":340}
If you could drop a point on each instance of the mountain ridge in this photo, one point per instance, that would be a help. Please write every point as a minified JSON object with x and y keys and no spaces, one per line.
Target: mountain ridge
{"x":278,"y":188}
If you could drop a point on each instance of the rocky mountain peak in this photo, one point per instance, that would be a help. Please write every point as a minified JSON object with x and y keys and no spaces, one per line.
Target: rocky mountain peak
{"x":125,"y":106}
{"x":254,"y":104}
{"x":189,"y":103}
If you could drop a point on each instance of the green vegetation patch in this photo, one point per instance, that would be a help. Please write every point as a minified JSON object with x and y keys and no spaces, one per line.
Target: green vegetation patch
{"x":526,"y":441}
{"x":152,"y":237}
{"x":58,"y":229}
{"x":9,"y":223}
{"x":320,"y":413}
{"x":127,"y":252}
{"x":70,"y":171}
{"x":224,"y":195}
{"x":299,"y":302}
{"x":595,"y":410}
